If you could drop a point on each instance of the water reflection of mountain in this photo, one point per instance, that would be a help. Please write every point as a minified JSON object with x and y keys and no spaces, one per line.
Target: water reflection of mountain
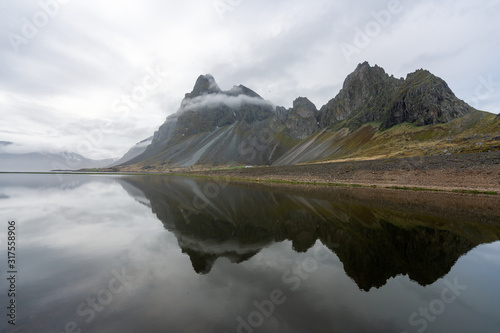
{"x":376,"y":234}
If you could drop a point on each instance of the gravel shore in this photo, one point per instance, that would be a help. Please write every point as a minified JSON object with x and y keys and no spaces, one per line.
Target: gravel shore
{"x":469,"y":172}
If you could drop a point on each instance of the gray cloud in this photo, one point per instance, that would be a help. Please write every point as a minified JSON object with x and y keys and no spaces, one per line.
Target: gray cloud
{"x":88,"y":55}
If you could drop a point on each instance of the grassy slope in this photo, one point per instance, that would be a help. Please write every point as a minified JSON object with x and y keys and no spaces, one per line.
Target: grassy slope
{"x":476,"y":132}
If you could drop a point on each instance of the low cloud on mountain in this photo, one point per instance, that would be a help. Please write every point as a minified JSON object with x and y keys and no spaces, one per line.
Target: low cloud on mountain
{"x":214,"y":100}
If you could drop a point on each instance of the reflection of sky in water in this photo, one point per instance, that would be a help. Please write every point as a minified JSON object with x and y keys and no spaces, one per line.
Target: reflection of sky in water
{"x":76,"y":235}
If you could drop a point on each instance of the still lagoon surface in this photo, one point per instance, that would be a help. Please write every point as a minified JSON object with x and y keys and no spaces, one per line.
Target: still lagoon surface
{"x":165,"y":254}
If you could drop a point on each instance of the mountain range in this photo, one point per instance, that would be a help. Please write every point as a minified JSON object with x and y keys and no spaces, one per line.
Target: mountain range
{"x":45,"y":161}
{"x":374,"y":115}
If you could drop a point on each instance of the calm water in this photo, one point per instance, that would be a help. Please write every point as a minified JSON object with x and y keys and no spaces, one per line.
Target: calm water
{"x":164,"y":254}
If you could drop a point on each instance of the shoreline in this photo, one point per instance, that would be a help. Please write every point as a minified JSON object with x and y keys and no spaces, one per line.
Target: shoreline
{"x":276,"y":182}
{"x":477,"y":173}
{"x":281,"y":183}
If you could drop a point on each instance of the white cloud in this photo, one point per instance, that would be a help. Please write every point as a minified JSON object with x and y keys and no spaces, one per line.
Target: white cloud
{"x":214,"y":100}
{"x":92,"y":52}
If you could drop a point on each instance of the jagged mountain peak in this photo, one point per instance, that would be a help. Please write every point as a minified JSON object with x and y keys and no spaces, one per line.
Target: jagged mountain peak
{"x":242,"y":90}
{"x":365,"y":66}
{"x":304,"y":102}
{"x":205,"y":84}
{"x":424,"y":80}
{"x":366,"y":75}
{"x":368,"y":87}
{"x":424,"y":99}
{"x":208,"y":108}
{"x":302,"y":120}
{"x":369,"y":94}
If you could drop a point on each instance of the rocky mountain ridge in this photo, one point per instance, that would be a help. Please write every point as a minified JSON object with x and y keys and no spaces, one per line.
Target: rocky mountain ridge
{"x":369,"y":94}
{"x":238,"y":127}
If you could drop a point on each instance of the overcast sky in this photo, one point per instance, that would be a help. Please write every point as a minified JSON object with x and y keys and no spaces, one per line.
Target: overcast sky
{"x":95,"y":77}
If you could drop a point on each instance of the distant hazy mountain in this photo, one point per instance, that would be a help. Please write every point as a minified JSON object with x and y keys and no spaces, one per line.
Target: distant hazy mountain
{"x":40,"y":162}
{"x":133,"y":152}
{"x":238,"y":127}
